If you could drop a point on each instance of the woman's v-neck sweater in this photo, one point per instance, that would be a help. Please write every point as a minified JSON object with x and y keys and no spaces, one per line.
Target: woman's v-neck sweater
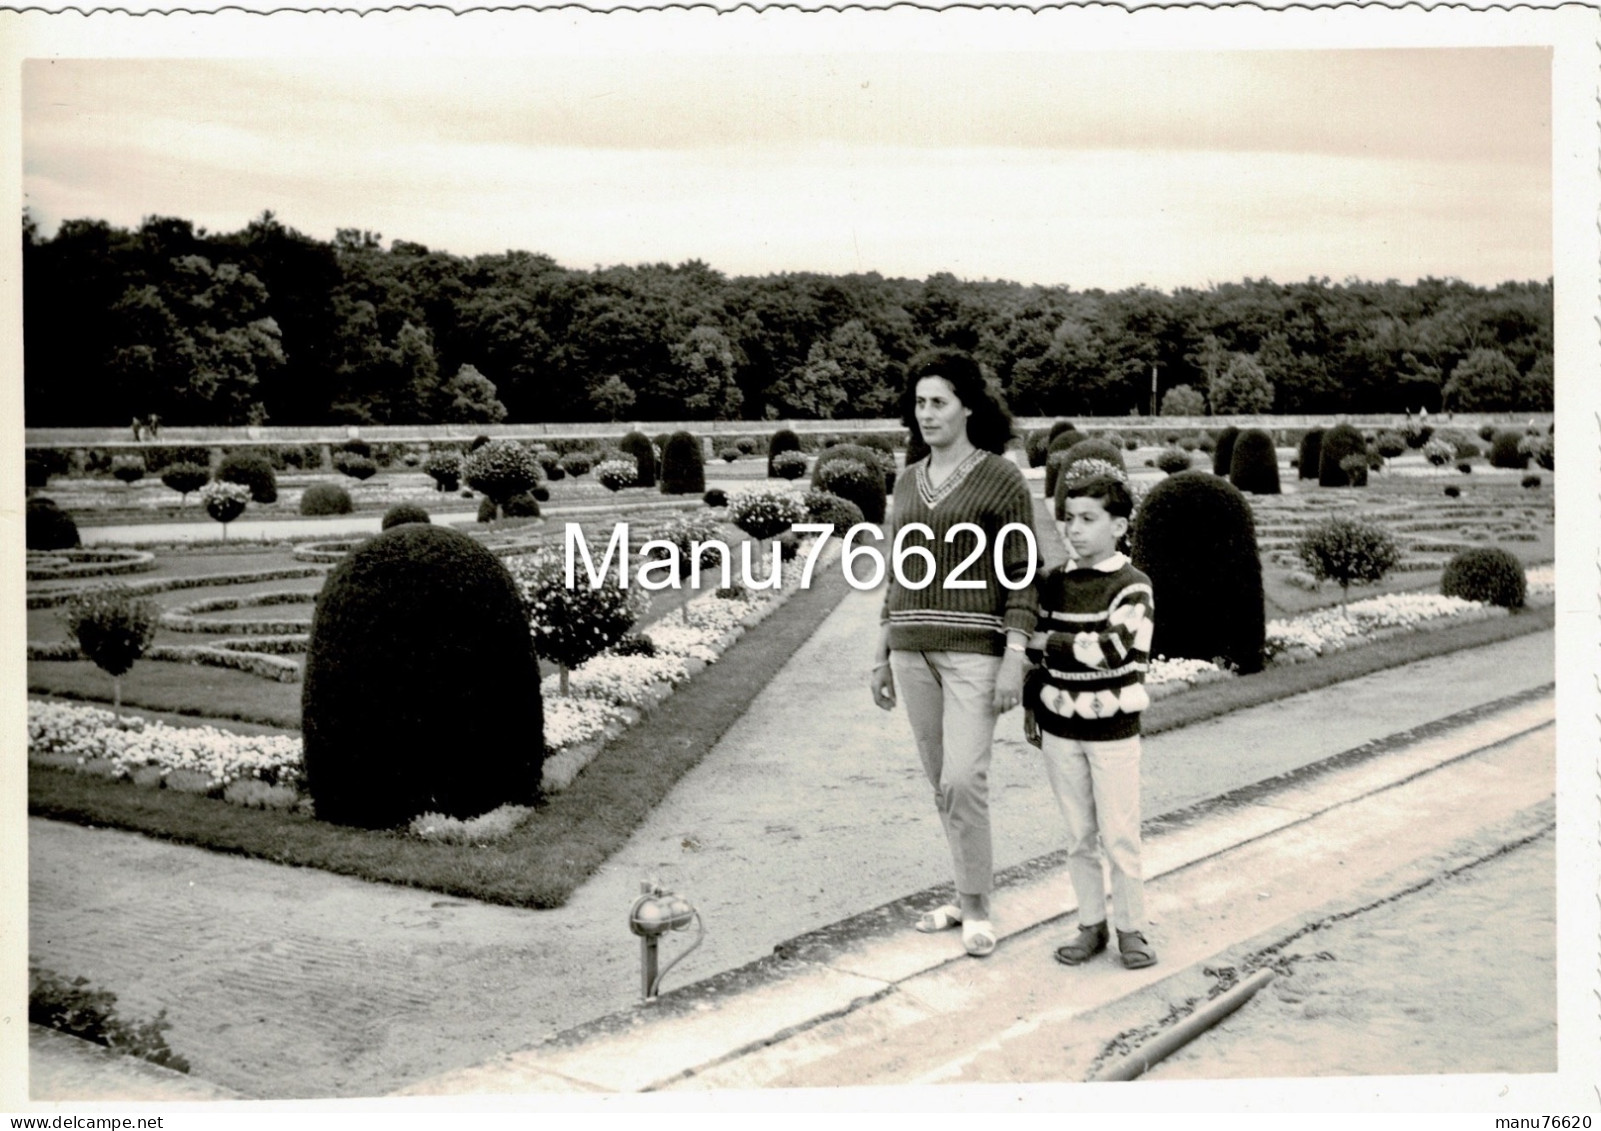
{"x":989,"y":492}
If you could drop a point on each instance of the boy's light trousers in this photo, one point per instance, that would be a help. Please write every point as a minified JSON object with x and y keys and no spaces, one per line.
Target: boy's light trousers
{"x":1097,"y":787}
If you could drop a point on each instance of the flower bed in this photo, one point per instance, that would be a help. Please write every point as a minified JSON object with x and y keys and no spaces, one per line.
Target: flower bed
{"x":188,"y":618}
{"x":609,"y":693}
{"x":53,"y":565}
{"x":198,"y":581}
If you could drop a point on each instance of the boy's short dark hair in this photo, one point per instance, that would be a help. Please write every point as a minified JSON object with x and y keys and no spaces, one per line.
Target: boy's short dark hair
{"x":1110,"y":492}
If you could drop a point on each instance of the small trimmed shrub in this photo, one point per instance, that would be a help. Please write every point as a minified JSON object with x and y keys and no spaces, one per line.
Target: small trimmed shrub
{"x":402,"y":513}
{"x":1486,"y":573}
{"x":1453,"y":491}
{"x":615,"y":474}
{"x":635,"y":644}
{"x":765,"y":511}
{"x":1416,"y":433}
{"x":728,"y":453}
{"x":1356,"y":469}
{"x":1506,"y":450}
{"x":745,"y":446}
{"x":784,"y":440}
{"x":356,"y":466}
{"x":252,"y":471}
{"x":113,"y":628}
{"x":1310,"y":454}
{"x":325,"y":498}
{"x":1390,"y":444}
{"x":48,"y":527}
{"x":1464,"y":448}
{"x":638,"y":445}
{"x":541,"y":494}
{"x":1194,"y":536}
{"x":1189,"y":442}
{"x":1438,"y":452}
{"x":787,"y":465}
{"x":683,"y":467}
{"x":501,"y":469}
{"x":185,"y":477}
{"x":487,"y":510}
{"x":36,"y":474}
{"x":1541,"y":449}
{"x":357,"y":448}
{"x":1057,"y":428}
{"x":555,"y":473}
{"x":824,"y":506}
{"x":1132,"y":444}
{"x":1060,"y":442}
{"x":1034,"y":446}
{"x":129,"y":469}
{"x":1340,"y":442}
{"x":1531,"y":481}
{"x":1465,"y":467}
{"x":1254,"y":466}
{"x":421,"y":689}
{"x":520,"y":506}
{"x":1347,"y":550}
{"x":846,"y":471}
{"x":573,"y":625}
{"x":1487,"y":432}
{"x":1205,"y":442}
{"x":444,"y":468}
{"x":1172,"y":460}
{"x":224,"y":501}
{"x":716,"y":497}
{"x":577,"y":464}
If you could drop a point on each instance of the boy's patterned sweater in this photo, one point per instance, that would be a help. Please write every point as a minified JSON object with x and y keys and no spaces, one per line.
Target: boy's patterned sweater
{"x":1093,"y":643}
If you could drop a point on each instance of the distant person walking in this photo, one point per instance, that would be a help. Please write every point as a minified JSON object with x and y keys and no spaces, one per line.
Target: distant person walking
{"x":153,"y":425}
{"x":138,"y":429}
{"x":953,"y":648}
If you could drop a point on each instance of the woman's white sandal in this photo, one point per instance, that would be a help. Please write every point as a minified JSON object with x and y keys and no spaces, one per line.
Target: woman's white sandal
{"x":978,"y":937}
{"x":940,"y":919}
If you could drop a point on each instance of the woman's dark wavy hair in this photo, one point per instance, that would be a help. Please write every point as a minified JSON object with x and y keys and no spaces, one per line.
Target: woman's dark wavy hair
{"x":990,"y":426}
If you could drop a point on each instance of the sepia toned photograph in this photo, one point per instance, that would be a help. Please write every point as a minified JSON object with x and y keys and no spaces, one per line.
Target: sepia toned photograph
{"x":801,"y":560}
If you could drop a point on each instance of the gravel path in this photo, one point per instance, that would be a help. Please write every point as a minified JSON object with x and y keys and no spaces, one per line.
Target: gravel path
{"x":296,"y":983}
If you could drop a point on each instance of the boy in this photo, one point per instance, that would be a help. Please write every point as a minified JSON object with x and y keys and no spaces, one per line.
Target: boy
{"x":1093,"y":644}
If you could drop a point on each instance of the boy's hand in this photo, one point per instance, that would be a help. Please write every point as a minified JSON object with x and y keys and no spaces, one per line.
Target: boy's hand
{"x":1009,"y":683}
{"x":882,"y":684}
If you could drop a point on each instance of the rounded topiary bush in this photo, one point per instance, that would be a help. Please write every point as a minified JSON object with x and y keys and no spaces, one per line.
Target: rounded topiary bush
{"x":745,"y":446}
{"x":1356,"y":469}
{"x":1485,"y":573}
{"x":1339,"y":442}
{"x":715,"y":497}
{"x":487,"y":510}
{"x":1505,"y":451}
{"x":356,"y":466}
{"x":577,"y":464}
{"x":683,"y":466}
{"x":48,"y":527}
{"x":1453,"y":491}
{"x":788,"y":465}
{"x":638,"y":445}
{"x":325,"y":498}
{"x":185,"y":477}
{"x":853,"y":473}
{"x":615,"y":474}
{"x":1034,"y":446}
{"x":1310,"y":454}
{"x":825,"y":506}
{"x":129,"y":469}
{"x":444,"y":468}
{"x":357,"y":448}
{"x":1194,"y":536}
{"x":251,"y":471}
{"x":1531,"y":481}
{"x":784,"y":440}
{"x":421,"y":690}
{"x":501,"y":469}
{"x":402,"y":513}
{"x":1390,"y":444}
{"x":1223,"y":450}
{"x":1486,"y":432}
{"x":1171,"y":460}
{"x":1254,"y":466}
{"x":523,"y":505}
{"x":1059,"y":444}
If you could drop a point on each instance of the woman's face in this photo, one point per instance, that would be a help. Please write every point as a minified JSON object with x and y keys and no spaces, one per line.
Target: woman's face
{"x":940,"y":416}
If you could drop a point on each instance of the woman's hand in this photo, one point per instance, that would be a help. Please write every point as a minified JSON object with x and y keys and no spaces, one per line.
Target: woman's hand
{"x":1009,"y":683}
{"x":882,"y":683}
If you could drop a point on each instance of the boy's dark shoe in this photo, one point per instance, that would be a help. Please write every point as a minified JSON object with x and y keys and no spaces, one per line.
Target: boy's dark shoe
{"x":1137,"y":953}
{"x":1090,"y":942}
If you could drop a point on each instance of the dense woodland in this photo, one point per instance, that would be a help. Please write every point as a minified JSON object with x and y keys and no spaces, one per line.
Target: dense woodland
{"x":267,"y":325}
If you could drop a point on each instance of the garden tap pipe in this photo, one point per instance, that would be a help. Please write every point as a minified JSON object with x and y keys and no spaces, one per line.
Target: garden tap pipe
{"x":653,"y":914}
{"x":1185,"y":1031}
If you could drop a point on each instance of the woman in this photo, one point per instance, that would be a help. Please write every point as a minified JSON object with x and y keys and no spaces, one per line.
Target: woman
{"x":953,"y":649}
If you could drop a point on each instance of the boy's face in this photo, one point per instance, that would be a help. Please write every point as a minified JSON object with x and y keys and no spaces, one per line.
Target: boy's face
{"x":1090,"y":531}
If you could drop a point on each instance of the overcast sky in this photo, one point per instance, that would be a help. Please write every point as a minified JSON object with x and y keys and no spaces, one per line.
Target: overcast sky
{"x":1098,"y":169}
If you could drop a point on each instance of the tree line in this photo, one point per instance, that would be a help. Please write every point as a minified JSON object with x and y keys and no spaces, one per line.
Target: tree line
{"x":268,"y":325}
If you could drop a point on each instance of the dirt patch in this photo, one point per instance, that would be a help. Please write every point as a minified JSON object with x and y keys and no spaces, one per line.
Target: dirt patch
{"x":1457,"y":977}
